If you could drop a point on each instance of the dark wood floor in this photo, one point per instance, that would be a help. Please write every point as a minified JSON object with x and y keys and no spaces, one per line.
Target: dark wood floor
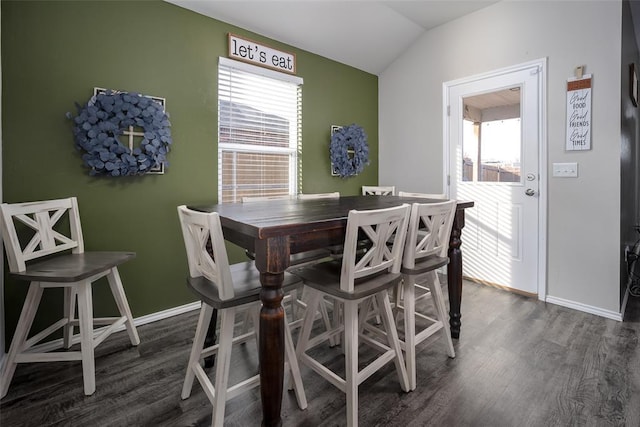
{"x":520,"y":362}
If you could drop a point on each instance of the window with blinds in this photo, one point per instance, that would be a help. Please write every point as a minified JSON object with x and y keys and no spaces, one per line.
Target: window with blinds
{"x":259,"y":131}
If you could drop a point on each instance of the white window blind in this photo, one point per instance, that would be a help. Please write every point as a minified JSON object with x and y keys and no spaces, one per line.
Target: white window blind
{"x":259,"y":131}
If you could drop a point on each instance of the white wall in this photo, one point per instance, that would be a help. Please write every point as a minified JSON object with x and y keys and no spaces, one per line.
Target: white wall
{"x":584,"y":213}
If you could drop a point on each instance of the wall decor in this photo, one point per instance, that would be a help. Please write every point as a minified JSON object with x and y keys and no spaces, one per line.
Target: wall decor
{"x":106,"y":117}
{"x":349,"y":150}
{"x":579,"y":113}
{"x":258,"y":54}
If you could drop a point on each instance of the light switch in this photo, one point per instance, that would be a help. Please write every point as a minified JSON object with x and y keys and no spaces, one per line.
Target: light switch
{"x":565,"y":170}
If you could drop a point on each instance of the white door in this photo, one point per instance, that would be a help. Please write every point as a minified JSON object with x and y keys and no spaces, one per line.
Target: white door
{"x":494,"y":136}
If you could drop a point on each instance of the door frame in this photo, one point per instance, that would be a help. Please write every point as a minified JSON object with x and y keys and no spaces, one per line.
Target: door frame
{"x":541,"y":66}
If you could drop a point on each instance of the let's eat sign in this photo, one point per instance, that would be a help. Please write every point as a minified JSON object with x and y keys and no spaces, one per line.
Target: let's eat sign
{"x":258,"y":54}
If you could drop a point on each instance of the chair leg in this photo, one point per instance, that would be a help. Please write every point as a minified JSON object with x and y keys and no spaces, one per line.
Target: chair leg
{"x":255,"y":319}
{"x":307,"y":324}
{"x":211,"y":339}
{"x":70,"y":295}
{"x":322,"y":309}
{"x":294,"y":304}
{"x":377,"y":310}
{"x":337,"y":320}
{"x":351,"y":360}
{"x":20,"y":335}
{"x":223,"y":362}
{"x":392,"y":337}
{"x":294,"y":367}
{"x":363,"y":314}
{"x":245,"y":321}
{"x":398,"y":296}
{"x":438,"y":300}
{"x":196,"y":349}
{"x":409,"y":302}
{"x":85,"y":317}
{"x":123,"y":306}
{"x":325,"y":319}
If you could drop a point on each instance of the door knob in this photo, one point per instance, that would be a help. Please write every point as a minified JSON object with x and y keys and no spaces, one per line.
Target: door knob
{"x":530,"y":192}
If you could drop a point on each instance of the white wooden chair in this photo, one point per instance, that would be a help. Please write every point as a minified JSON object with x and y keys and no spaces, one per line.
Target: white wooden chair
{"x":425,"y":252}
{"x":32,"y":231}
{"x":378,"y":190}
{"x":314,"y":196}
{"x":439,"y":196}
{"x":229,"y":290}
{"x":352,"y":281}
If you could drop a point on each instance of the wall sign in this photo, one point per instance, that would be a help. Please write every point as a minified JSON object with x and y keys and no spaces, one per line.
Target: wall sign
{"x":258,"y":54}
{"x":579,"y":113}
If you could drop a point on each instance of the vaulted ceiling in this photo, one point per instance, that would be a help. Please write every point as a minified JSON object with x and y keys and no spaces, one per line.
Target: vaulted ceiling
{"x":368,"y":35}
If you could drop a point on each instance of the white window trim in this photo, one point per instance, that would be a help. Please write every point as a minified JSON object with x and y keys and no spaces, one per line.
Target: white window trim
{"x":260,"y":71}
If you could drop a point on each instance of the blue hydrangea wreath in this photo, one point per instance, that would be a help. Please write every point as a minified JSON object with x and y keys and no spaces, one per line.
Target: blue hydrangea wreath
{"x":105,"y":117}
{"x":349,"y":150}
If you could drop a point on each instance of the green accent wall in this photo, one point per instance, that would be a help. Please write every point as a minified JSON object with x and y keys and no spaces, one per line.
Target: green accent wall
{"x":55,"y":52}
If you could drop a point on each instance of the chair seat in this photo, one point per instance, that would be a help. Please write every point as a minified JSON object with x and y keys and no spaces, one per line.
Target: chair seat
{"x":426,"y":265}
{"x":325,"y":277}
{"x":246,"y":286}
{"x":71,"y":268}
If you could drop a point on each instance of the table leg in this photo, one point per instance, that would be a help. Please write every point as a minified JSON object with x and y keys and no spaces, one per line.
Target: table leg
{"x":272,"y":258}
{"x":454,"y":274}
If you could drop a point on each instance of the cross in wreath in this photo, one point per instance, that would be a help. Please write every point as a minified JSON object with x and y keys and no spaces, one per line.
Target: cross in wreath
{"x":132,"y":135}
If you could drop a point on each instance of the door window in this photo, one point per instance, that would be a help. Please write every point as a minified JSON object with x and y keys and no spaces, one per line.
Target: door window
{"x":492,"y":137}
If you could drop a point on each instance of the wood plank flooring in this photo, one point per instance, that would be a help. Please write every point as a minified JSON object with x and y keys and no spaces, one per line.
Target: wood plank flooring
{"x":519,"y":362}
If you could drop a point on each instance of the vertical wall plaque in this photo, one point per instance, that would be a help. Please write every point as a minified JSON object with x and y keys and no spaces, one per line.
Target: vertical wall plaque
{"x":579,"y":113}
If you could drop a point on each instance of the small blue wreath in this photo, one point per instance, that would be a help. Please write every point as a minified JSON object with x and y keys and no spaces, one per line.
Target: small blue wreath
{"x":103,"y":119}
{"x":349,"y":150}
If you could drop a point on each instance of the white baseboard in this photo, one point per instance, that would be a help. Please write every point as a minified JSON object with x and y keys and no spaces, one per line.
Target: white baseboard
{"x":138,"y":321}
{"x":164,"y":314}
{"x":585,"y":308}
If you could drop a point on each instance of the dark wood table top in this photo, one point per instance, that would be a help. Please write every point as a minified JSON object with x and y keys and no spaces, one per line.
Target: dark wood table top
{"x":290,"y":216}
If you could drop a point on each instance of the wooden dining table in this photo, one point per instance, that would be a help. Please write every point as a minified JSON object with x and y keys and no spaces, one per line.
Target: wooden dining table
{"x":274,"y":230}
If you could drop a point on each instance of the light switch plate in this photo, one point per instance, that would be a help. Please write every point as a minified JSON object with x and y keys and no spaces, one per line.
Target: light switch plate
{"x":565,"y":170}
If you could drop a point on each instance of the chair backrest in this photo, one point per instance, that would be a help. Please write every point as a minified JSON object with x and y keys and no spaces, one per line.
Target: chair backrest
{"x":198,"y":228}
{"x":377,"y":190}
{"x":334,"y":195}
{"x":429,"y":230}
{"x":439,"y":196}
{"x":34,"y":229}
{"x":378,"y":226}
{"x":264,"y":198}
